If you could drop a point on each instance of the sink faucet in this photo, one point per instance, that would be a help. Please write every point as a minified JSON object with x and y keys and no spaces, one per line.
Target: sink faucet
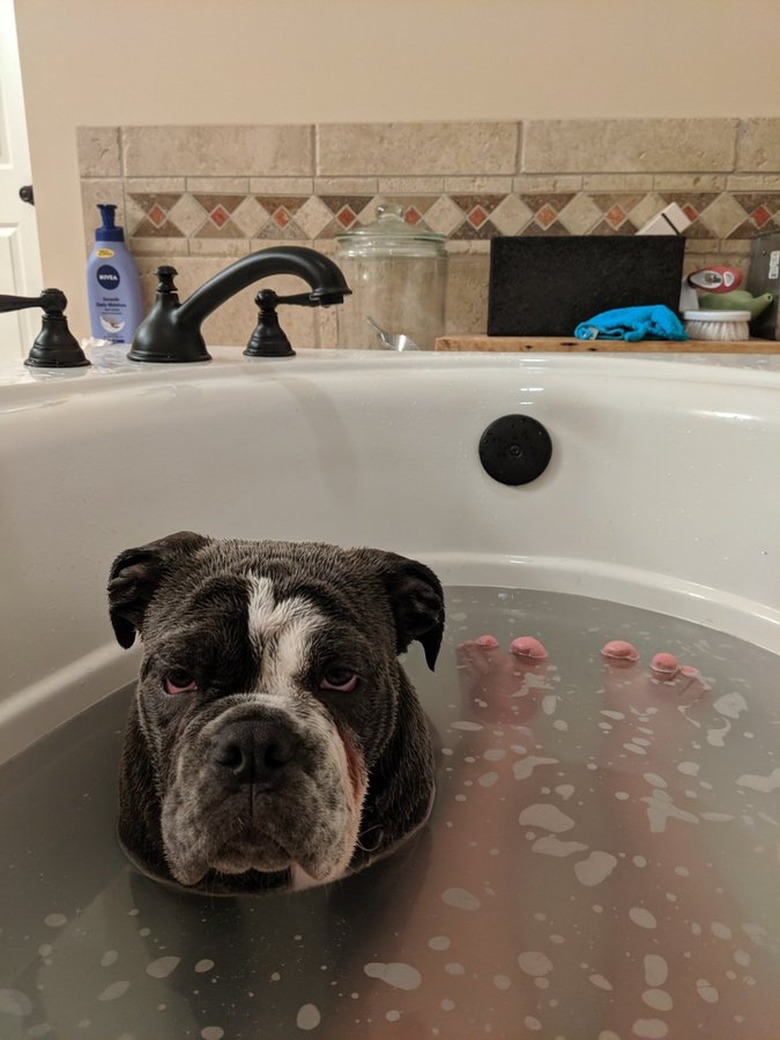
{"x":171,"y":332}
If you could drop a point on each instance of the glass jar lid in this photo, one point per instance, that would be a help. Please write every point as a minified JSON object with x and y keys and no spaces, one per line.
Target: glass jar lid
{"x":391,"y":235}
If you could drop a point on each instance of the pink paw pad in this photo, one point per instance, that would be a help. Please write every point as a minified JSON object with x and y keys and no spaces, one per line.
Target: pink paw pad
{"x":620,"y":650}
{"x":665,"y":664}
{"x":527,"y":646}
{"x":488,"y":642}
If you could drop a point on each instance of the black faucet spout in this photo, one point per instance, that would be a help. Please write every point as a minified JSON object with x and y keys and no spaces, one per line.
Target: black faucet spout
{"x":172,"y":331}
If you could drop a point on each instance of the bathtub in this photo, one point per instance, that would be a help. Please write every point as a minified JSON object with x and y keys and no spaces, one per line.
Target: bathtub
{"x":661,"y":493}
{"x":662,"y":489}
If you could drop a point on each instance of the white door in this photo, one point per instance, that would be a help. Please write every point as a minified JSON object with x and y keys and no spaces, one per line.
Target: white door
{"x":20,"y":258}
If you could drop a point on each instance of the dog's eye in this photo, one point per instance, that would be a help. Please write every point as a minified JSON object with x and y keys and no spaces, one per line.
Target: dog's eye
{"x":342,"y":679}
{"x":179,"y":682}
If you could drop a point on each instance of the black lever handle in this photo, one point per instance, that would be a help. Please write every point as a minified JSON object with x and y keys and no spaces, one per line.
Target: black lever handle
{"x":298,"y":299}
{"x":18,"y":303}
{"x":54,"y":346}
{"x":53,"y":301}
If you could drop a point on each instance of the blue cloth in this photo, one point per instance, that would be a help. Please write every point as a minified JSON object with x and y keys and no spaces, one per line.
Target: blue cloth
{"x":633,"y":324}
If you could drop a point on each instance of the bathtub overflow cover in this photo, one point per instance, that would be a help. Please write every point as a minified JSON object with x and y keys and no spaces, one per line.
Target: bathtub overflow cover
{"x":515,"y":449}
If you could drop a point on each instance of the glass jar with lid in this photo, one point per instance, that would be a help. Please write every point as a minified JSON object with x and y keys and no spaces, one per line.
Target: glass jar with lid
{"x":398,"y":277}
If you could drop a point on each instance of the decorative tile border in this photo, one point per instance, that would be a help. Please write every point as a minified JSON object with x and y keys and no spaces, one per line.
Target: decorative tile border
{"x":183,"y":216}
{"x":202,"y":195}
{"x":467,"y":181}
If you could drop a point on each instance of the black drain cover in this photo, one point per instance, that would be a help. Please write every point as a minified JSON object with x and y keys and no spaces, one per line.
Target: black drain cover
{"x":515,"y":449}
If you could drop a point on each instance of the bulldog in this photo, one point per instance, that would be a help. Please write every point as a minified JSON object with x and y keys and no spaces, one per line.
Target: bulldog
{"x":274,"y":740}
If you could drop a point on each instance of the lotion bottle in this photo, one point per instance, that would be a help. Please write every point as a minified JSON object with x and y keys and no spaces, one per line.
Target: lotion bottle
{"x":113,"y":283}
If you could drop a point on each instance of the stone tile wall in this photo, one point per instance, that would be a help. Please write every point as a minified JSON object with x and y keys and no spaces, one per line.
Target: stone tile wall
{"x":199,"y":196}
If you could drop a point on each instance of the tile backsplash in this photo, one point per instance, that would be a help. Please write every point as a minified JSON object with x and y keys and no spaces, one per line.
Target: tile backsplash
{"x":200,"y":196}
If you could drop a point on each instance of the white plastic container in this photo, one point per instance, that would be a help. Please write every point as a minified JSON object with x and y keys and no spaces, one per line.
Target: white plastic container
{"x":113,"y":284}
{"x":717,"y":325}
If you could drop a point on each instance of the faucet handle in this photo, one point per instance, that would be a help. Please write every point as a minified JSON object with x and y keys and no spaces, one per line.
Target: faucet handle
{"x":305,"y":299}
{"x":53,"y":301}
{"x":165,"y":275}
{"x":268,"y":339}
{"x":55,"y":346}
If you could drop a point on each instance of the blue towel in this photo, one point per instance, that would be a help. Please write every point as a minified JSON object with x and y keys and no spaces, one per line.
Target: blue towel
{"x":633,"y":324}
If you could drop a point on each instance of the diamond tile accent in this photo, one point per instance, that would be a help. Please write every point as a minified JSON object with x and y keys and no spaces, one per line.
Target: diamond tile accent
{"x":281,"y":217}
{"x":605,"y":228}
{"x":284,"y":232}
{"x":723,"y":216}
{"x":646,"y":208}
{"x":152,"y":211}
{"x":249,"y":216}
{"x":346,"y":216}
{"x":212,"y":229}
{"x":760,"y":216}
{"x":444,"y":216}
{"x":313,"y":216}
{"x":511,"y":215}
{"x":545,"y":217}
{"x":477,"y":217}
{"x":580,"y":215}
{"x":616,"y":216}
{"x":219,"y":216}
{"x":188,"y":214}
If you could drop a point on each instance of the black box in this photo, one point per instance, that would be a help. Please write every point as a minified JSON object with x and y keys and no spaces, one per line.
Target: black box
{"x":545,"y":286}
{"x":764,"y":277}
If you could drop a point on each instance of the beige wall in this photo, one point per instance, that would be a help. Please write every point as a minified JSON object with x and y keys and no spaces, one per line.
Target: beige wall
{"x":108,"y":62}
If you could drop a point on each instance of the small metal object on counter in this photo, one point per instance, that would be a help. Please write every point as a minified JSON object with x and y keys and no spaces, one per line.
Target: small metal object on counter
{"x":398,"y":271}
{"x":172,"y":331}
{"x":55,"y":346}
{"x":515,"y":449}
{"x":391,"y":340}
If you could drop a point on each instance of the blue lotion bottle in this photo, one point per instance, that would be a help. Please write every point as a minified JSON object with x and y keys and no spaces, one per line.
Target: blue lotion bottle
{"x":113,"y":283}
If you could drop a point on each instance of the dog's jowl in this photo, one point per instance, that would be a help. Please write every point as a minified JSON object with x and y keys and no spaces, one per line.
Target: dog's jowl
{"x":274,"y":740}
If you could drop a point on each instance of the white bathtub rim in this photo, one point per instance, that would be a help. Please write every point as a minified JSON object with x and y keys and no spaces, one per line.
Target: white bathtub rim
{"x":111,"y":368}
{"x":47,"y":703}
{"x":746,"y":619}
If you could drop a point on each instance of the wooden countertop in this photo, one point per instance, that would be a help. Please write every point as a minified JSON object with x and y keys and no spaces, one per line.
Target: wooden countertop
{"x":613,"y":346}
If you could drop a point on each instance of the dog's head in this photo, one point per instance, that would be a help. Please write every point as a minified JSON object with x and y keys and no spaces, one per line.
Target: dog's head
{"x":271,"y":715}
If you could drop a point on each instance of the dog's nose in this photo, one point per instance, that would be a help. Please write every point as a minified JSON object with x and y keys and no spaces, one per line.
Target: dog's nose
{"x":253,"y":751}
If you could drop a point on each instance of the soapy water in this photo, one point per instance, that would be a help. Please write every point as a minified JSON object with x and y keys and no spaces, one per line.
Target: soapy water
{"x":601,"y":862}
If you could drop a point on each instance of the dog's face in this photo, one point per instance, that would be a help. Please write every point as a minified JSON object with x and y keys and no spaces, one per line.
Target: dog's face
{"x":272,"y":720}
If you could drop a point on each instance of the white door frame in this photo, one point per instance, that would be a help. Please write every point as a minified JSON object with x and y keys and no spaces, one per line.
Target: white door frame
{"x":20,"y":256}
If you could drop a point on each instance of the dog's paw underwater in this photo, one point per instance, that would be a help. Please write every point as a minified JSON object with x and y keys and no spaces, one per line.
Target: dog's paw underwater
{"x":274,"y":739}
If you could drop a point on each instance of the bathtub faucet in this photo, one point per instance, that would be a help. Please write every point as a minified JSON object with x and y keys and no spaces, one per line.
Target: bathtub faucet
{"x":171,"y":332}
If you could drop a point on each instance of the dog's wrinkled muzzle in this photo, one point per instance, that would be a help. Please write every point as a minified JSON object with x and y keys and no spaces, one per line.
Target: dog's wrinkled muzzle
{"x":258,"y":788}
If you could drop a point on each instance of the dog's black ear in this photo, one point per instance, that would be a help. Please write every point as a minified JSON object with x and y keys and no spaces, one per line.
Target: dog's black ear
{"x":417,"y":602}
{"x":135,"y":576}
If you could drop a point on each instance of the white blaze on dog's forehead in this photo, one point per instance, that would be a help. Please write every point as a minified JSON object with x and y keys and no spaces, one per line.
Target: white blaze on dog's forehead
{"x":290,"y":623}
